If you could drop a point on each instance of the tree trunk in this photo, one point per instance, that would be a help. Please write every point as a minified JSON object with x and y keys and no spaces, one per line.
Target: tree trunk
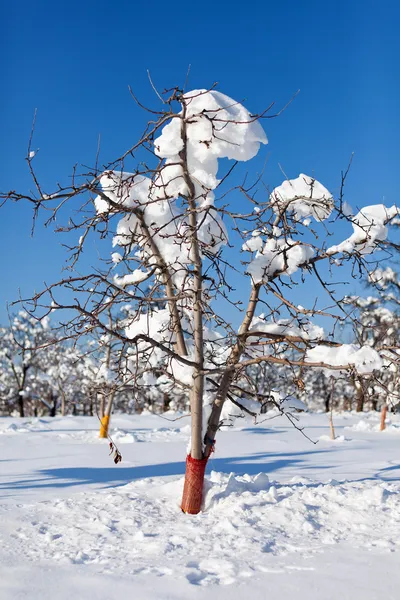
{"x":53,"y":404}
{"x":166,"y":402}
{"x":383,"y":417}
{"x":360,"y":401}
{"x":227,"y":378}
{"x":21,"y":387}
{"x":195,"y":468}
{"x":193,"y":489}
{"x":195,"y":461}
{"x":346,"y":403}
{"x":359,"y":394}
{"x":21,"y":403}
{"x":102,"y":406}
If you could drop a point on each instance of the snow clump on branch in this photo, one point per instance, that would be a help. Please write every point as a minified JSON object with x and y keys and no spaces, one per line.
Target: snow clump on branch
{"x":286,"y":327}
{"x":369,"y":227}
{"x":278,"y":257}
{"x":364,"y":359}
{"x":304,"y":197}
{"x":213,"y":126}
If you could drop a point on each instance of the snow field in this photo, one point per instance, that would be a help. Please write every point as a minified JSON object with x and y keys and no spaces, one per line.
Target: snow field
{"x":139,"y":528}
{"x":287,"y":508}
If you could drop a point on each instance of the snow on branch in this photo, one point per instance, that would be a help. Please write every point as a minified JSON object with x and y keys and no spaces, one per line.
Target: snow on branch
{"x":369,"y":227}
{"x":277,"y":256}
{"x":383,"y":277}
{"x":364,"y":359}
{"x":304,"y":197}
{"x":286,"y":327}
{"x":215,"y":127}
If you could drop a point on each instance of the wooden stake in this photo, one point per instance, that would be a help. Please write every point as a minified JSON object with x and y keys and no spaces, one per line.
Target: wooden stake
{"x":383,"y":417}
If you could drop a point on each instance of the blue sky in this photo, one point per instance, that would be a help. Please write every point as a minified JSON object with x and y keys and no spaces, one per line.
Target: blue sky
{"x":73,"y":61}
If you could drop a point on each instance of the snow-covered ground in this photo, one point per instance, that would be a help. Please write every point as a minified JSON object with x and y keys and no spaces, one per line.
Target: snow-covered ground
{"x":283,"y":518}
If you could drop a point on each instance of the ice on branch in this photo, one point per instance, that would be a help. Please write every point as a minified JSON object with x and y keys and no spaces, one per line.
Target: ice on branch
{"x":369,"y":227}
{"x":364,"y":359}
{"x":304,"y":196}
{"x":277,"y":257}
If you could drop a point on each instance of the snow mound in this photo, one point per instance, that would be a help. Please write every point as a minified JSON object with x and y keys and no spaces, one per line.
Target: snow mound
{"x":363,"y":425}
{"x":366,"y":426}
{"x":33,"y":425}
{"x":340,"y":439}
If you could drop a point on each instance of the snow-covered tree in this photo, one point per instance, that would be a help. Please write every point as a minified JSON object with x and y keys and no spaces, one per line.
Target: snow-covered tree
{"x":177,"y":218}
{"x":21,"y":353}
{"x":376,"y":322}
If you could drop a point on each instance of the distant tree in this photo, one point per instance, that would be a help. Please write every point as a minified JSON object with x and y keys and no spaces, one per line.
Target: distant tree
{"x":21,"y":352}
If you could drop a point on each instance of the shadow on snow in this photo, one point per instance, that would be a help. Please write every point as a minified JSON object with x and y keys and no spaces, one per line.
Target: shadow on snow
{"x":119,"y":475}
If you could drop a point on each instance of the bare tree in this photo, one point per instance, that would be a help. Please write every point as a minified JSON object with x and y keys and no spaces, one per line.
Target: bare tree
{"x":177,"y":225}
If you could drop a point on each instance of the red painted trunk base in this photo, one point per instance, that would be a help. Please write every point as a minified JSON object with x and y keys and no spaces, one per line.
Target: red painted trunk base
{"x":193,"y":488}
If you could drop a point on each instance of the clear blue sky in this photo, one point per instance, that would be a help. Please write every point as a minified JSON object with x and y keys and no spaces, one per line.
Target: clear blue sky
{"x":73,"y":61}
